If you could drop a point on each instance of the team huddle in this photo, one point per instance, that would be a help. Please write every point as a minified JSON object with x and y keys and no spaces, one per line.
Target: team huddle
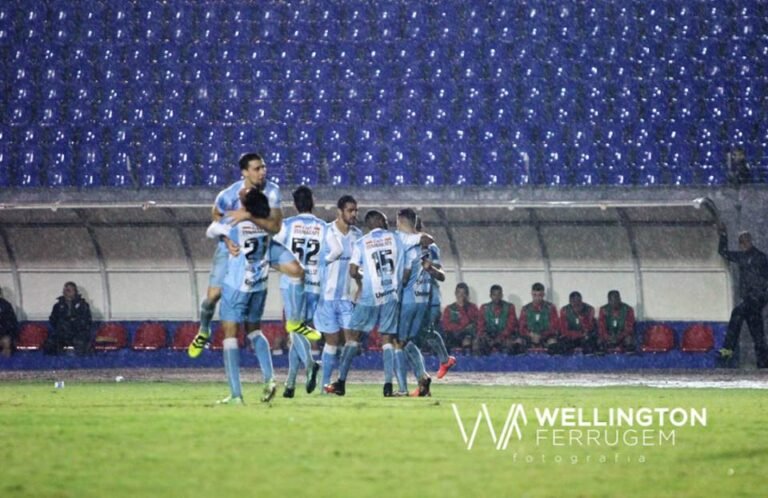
{"x":334,"y":280}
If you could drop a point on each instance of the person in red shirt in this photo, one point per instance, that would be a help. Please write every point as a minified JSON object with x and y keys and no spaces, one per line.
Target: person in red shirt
{"x":617,"y":325}
{"x":538,"y":321}
{"x":577,"y":326}
{"x":496,"y":325}
{"x":459,"y":320}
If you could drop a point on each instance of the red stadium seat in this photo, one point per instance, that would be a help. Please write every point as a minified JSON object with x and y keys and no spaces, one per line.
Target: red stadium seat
{"x":374,"y":340}
{"x":110,"y":337}
{"x":32,"y":336}
{"x":698,"y":338}
{"x":217,"y":343}
{"x":149,"y":336}
{"x":184,"y":335}
{"x":658,"y":339}
{"x":275,"y":334}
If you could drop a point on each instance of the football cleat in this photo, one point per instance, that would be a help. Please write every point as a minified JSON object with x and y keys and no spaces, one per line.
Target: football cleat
{"x":444,"y":367}
{"x":302,"y":328}
{"x":424,"y":384}
{"x":312,"y":377}
{"x":289,"y":392}
{"x":229,"y":400}
{"x":338,"y":388}
{"x":198,"y":344}
{"x":388,"y":390}
{"x":269,"y":391}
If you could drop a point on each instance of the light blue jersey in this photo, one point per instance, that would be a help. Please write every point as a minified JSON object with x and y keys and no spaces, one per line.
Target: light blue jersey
{"x":248,"y":271}
{"x":380,"y":255}
{"x":229,"y":199}
{"x":336,"y":284}
{"x":421,"y":285}
{"x":304,"y":235}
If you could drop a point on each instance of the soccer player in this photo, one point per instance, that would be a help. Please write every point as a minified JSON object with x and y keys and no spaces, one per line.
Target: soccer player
{"x":304,"y":235}
{"x":244,"y":291}
{"x":616,"y":325}
{"x":431,"y":265}
{"x":228,"y":208}
{"x":414,"y":310}
{"x":538,"y":320}
{"x":378,"y":265}
{"x":334,"y":311}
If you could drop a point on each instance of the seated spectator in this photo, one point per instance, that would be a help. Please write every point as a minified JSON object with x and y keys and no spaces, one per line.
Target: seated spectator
{"x":496,"y":325}
{"x":577,"y":326}
{"x":459,"y":320}
{"x":538,"y":321}
{"x":9,"y":327}
{"x":617,"y":325}
{"x":70,"y":323}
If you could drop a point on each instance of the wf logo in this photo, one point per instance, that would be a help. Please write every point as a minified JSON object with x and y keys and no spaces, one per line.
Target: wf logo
{"x":515,"y":417}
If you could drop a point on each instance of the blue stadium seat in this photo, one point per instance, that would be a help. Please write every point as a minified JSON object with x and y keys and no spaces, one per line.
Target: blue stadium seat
{"x":613,"y":156}
{"x":586,"y":170}
{"x":59,"y":169}
{"x":118,"y":167}
{"x":30,"y":165}
{"x":277,"y":158}
{"x":181,"y":24}
{"x":149,"y":154}
{"x":89,"y":158}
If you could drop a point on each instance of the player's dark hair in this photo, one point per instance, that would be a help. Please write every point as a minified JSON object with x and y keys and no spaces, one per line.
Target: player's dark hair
{"x":613,"y":293}
{"x":462,"y":285}
{"x":256,"y":203}
{"x":344,"y":200}
{"x":375,"y":219}
{"x":248,"y":157}
{"x":302,"y":199}
{"x":419,"y":225}
{"x":574,"y":294}
{"x":496,"y":287}
{"x":409,"y":215}
{"x":538,"y":286}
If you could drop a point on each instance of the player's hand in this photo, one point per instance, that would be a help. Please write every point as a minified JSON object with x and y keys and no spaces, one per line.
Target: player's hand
{"x":551,"y":341}
{"x":238,"y":215}
{"x":233,"y":248}
{"x":535,"y":338}
{"x":426,"y":264}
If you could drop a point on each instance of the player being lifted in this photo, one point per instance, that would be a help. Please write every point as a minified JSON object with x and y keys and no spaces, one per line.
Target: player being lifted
{"x":304,"y":234}
{"x":334,"y":311}
{"x":378,"y":265}
{"x":244,"y":291}
{"x":228,"y":208}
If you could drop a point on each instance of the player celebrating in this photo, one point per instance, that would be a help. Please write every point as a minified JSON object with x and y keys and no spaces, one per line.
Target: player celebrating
{"x":413,"y":312}
{"x":244,"y":291}
{"x":433,"y":274}
{"x":228,"y":208}
{"x":303,"y":234}
{"x":378,"y":265}
{"x":334,"y":311}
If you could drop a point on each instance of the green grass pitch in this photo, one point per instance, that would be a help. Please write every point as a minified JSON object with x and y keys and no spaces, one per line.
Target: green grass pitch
{"x":166,"y":439}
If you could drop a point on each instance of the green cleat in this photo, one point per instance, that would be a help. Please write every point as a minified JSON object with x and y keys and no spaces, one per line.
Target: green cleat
{"x":302,"y":328}
{"x":270,"y":388}
{"x":229,"y":400}
{"x":198,"y":344}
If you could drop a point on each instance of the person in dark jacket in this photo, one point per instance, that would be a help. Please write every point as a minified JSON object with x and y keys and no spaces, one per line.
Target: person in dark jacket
{"x":70,"y":323}
{"x":9,"y":327}
{"x":753,"y":283}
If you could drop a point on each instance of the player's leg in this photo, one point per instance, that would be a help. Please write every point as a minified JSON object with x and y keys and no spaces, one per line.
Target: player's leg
{"x":234,"y":304}
{"x":738,"y":316}
{"x":208,"y":306}
{"x":312,"y":367}
{"x":287,"y":264}
{"x":294,"y":356}
{"x":405,"y":322}
{"x":260,"y":344}
{"x":328,"y":320}
{"x":388,"y":321}
{"x":388,"y":356}
{"x":363,"y":319}
{"x":437,"y":344}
